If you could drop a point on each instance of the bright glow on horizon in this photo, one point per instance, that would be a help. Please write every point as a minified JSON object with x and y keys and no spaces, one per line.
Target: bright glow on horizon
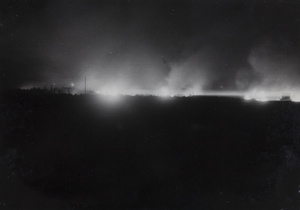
{"x":110,"y":99}
{"x":265,"y":95}
{"x":113,"y":94}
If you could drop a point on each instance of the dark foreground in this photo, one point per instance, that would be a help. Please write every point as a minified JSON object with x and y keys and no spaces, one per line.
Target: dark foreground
{"x":77,"y":152}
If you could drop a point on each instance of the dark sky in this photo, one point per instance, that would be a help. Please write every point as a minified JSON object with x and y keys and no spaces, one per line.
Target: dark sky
{"x":151,"y":46}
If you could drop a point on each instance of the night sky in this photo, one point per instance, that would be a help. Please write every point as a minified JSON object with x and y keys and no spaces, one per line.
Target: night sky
{"x":134,"y":46}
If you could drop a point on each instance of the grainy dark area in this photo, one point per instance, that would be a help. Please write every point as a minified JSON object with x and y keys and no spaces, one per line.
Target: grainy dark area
{"x":71,"y":139}
{"x":80,"y":152}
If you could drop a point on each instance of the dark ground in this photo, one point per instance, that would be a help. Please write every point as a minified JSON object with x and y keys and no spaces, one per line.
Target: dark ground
{"x":77,"y":152}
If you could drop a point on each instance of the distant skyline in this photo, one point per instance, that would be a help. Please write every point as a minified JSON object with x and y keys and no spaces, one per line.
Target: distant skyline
{"x":151,"y":46}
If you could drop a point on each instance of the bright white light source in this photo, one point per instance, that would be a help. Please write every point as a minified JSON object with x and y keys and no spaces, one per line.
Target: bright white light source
{"x":275,"y":95}
{"x":111,"y":99}
{"x":248,"y":98}
{"x":164,"y":92}
{"x":262,"y":99}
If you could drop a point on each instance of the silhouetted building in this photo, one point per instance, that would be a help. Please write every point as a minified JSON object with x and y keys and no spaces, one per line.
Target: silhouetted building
{"x":285,"y":98}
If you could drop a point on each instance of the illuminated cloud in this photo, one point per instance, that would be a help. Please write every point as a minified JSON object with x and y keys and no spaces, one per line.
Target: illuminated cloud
{"x":146,"y":47}
{"x":277,"y":73}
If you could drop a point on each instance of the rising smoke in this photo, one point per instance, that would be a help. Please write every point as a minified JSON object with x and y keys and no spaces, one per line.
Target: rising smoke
{"x":153,"y":47}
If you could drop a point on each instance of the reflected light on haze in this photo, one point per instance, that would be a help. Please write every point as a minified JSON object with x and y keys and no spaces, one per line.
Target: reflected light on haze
{"x":111,"y":98}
